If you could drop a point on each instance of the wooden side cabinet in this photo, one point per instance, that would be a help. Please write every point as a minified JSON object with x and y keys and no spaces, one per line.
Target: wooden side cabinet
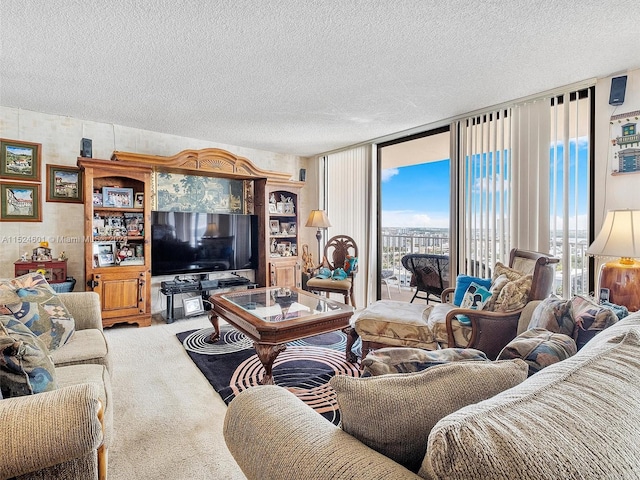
{"x":118,"y":224}
{"x":55,"y":271}
{"x":286,"y":273}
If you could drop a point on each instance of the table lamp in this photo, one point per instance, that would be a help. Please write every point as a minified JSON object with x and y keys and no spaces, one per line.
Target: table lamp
{"x":620,"y":237}
{"x":318,"y":219}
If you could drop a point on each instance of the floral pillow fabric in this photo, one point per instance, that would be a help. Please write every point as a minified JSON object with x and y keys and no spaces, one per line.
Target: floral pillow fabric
{"x":32,"y":301}
{"x":25,"y":365}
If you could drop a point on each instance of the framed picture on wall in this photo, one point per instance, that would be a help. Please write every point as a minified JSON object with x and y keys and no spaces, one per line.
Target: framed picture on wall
{"x":20,"y":202}
{"x":19,"y":160}
{"x":64,"y":184}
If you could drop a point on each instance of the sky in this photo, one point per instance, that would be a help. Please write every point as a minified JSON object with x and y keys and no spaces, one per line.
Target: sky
{"x":416,"y":196}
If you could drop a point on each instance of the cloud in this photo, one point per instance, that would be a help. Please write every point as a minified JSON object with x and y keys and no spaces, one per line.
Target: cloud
{"x":388,"y":173}
{"x":413,"y":219}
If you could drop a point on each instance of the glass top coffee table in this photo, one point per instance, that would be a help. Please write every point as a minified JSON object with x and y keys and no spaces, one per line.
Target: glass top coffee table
{"x":273,"y":316}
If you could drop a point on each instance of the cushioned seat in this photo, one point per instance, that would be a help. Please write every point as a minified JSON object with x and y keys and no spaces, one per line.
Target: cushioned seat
{"x":84,"y":346}
{"x":396,"y":323}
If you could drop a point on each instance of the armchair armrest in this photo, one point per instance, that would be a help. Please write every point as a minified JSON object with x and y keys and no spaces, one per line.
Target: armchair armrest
{"x":446,"y":293}
{"x":490,"y":331}
{"x":49,"y":428}
{"x":273,"y":435}
{"x":85,"y":309}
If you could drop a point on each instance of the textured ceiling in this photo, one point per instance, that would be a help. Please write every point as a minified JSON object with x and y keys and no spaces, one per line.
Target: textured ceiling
{"x":300,"y":76}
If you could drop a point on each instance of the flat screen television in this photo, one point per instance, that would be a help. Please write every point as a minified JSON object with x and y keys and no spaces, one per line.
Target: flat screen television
{"x":192,"y":242}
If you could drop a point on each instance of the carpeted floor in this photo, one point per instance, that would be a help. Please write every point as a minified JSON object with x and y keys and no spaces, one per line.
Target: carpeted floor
{"x":167,"y":418}
{"x":304,"y":368}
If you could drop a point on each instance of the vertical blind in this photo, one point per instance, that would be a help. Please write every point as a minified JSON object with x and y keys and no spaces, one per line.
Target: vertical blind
{"x":349,"y":201}
{"x":522,"y":175}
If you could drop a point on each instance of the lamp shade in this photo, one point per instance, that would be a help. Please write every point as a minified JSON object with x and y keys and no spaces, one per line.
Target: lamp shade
{"x":318,"y":219}
{"x":619,"y":236}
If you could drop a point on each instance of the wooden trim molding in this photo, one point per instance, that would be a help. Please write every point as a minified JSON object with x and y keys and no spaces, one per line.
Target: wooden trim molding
{"x":206,"y":161}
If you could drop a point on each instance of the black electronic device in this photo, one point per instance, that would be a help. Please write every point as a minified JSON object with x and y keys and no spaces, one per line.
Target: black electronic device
{"x":194,"y":242}
{"x":85,"y":148}
{"x":618,"y":89}
{"x":303,"y":174}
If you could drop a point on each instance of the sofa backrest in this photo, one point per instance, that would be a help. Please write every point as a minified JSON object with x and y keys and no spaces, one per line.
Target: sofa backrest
{"x":574,"y":419}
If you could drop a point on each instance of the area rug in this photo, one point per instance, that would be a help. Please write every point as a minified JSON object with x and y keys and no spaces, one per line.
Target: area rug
{"x":304,"y":368}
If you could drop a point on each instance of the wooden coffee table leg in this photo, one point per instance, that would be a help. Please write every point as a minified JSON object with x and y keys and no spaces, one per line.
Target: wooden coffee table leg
{"x":215,"y":336}
{"x":267,"y":355}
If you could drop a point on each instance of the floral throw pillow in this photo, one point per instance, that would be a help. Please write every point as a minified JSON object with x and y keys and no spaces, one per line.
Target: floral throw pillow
{"x":515,"y":293}
{"x":555,"y":315}
{"x":25,"y":365}
{"x":32,"y":301}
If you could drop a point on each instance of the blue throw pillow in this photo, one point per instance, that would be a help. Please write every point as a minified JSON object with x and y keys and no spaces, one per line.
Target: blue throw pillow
{"x":462,"y":284}
{"x":474,"y":298}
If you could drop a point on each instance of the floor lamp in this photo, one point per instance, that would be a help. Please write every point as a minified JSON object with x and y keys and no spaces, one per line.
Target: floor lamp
{"x":620,"y":237}
{"x":318,"y":219}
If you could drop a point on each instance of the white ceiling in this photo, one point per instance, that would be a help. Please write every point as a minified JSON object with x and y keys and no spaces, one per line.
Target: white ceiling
{"x":300,"y":76}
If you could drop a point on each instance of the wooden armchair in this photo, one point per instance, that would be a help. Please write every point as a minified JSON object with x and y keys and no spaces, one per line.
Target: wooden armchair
{"x":336,"y":251}
{"x":491,"y":331}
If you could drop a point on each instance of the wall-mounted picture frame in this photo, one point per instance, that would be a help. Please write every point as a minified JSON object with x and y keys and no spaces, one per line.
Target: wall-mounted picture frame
{"x":192,"y":306}
{"x":20,"y":160}
{"x":274,"y":227}
{"x":64,"y":184}
{"x":20,"y":202}
{"x":117,"y":197}
{"x":138,"y":201}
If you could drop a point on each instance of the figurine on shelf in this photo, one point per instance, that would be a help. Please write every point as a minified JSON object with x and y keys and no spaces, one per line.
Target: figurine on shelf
{"x":307,"y":259}
{"x":272,"y":198}
{"x":23,"y":257}
{"x":62,"y":256}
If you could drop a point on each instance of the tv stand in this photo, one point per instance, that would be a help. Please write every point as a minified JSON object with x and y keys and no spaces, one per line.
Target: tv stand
{"x":178,"y":286}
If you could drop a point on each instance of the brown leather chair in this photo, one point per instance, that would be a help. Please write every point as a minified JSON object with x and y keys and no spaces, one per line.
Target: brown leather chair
{"x":335,"y":253}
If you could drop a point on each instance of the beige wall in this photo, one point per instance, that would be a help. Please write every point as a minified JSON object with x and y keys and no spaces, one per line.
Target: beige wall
{"x":62,"y":223}
{"x":619,"y":191}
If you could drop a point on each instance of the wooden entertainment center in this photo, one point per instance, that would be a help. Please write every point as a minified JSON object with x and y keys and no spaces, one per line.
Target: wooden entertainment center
{"x":124,"y":283}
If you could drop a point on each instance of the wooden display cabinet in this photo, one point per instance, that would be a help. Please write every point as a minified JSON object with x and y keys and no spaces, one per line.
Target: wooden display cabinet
{"x":282,"y":226}
{"x":118,"y":224}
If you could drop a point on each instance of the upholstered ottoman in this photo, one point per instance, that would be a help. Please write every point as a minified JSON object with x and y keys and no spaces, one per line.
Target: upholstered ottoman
{"x":398,"y":324}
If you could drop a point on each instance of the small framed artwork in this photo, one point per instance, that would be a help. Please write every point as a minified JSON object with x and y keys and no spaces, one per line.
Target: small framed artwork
{"x":105,"y":253}
{"x":97,"y":198}
{"x":20,"y":160}
{"x":117,"y":197}
{"x":105,"y":259}
{"x":274,"y":227}
{"x":64,"y":184}
{"x":192,"y":306}
{"x":272,"y":208}
{"x":20,"y":202}
{"x":280,"y":207}
{"x":138,"y":201}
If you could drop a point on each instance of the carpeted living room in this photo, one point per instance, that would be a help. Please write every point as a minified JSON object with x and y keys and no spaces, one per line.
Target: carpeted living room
{"x":202,"y":273}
